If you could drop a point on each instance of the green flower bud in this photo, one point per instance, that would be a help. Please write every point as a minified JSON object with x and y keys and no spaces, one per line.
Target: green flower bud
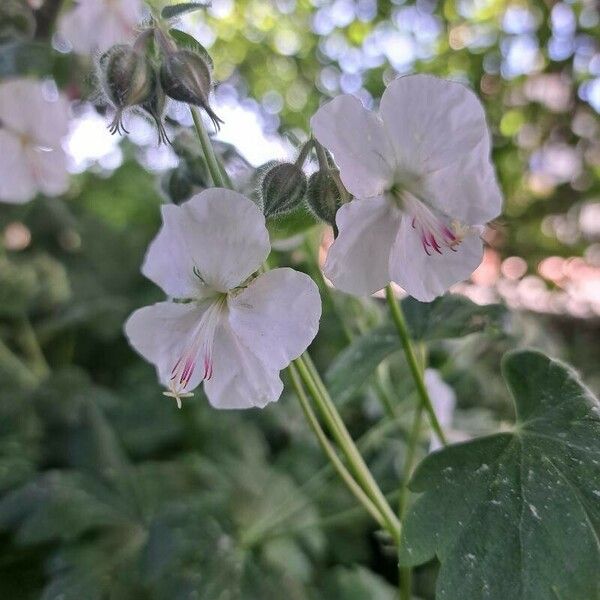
{"x":323,"y":196}
{"x":282,"y":188}
{"x":185,"y":76}
{"x":177,"y":184}
{"x":155,"y":106}
{"x":128,"y":79}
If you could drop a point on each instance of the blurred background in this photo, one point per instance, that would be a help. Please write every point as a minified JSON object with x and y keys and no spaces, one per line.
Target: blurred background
{"x":106,"y":490}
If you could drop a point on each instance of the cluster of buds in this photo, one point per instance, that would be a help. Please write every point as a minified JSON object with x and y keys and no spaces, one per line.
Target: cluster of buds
{"x":284,"y":187}
{"x":155,"y":67}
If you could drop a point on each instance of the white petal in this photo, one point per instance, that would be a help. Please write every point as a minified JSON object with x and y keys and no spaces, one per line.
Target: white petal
{"x":277,"y":316}
{"x":25,"y":109}
{"x":17,"y":184}
{"x":96,"y":25}
{"x":239,"y":378}
{"x":50,"y":169}
{"x":358,"y":260}
{"x":357,"y":139}
{"x":160,"y":333}
{"x":168,"y":261}
{"x":441,"y":139}
{"x":426,"y":276}
{"x":219,"y":236}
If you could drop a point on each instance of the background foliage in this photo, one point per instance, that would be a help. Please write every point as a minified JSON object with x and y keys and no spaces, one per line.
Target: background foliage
{"x":107,"y":491}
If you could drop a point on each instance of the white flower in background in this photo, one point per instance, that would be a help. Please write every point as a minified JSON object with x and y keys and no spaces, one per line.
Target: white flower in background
{"x":443,"y":400}
{"x":234,"y":331}
{"x":421,"y":172}
{"x":31,"y":129}
{"x":96,"y":25}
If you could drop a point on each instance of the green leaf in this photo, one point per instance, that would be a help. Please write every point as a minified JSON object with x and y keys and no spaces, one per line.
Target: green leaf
{"x":359,"y":583}
{"x":517,"y":514}
{"x":189,"y":42}
{"x":450,"y":316}
{"x":176,"y":10}
{"x":444,"y":318}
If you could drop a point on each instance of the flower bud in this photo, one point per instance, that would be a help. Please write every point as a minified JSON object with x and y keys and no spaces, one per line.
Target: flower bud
{"x":155,"y":106}
{"x":323,"y":196}
{"x":128,"y":79}
{"x":185,"y":76}
{"x":282,"y":188}
{"x":177,"y":185}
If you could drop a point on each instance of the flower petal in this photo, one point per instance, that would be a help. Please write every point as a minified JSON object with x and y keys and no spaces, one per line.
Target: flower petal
{"x":358,"y":141}
{"x":160,"y":333}
{"x":441,"y":140}
{"x":277,"y":316}
{"x":17,"y":184}
{"x":96,"y":25}
{"x":50,"y":170}
{"x":358,"y":260}
{"x":239,"y":379}
{"x":426,"y":276}
{"x":26,"y":110}
{"x":218,"y":237}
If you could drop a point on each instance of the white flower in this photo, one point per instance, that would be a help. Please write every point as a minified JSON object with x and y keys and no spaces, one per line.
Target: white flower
{"x":443,"y":400}
{"x":424,"y":183}
{"x":31,"y":130}
{"x":96,"y":25}
{"x":237,"y":331}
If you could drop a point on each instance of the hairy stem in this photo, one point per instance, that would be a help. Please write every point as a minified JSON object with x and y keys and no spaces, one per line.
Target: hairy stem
{"x":209,"y":154}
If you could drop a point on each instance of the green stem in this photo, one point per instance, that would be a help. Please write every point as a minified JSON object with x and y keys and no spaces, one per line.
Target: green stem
{"x":211,"y":160}
{"x":411,"y":359}
{"x":409,"y":461}
{"x":316,"y":387}
{"x":329,"y":450}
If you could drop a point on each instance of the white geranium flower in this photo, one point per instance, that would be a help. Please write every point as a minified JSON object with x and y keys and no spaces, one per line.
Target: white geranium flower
{"x":235,"y":331}
{"x":96,"y":25}
{"x":31,"y":130}
{"x":421,"y":172}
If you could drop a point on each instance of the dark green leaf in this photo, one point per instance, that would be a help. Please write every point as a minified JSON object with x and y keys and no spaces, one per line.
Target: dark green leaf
{"x":176,"y":10}
{"x":517,"y":514}
{"x":444,"y":318}
{"x":352,"y":367}
{"x":185,"y":40}
{"x":450,"y":316}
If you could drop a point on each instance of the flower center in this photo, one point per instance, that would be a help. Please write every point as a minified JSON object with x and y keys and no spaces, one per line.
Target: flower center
{"x":436,"y":232}
{"x":199,"y":349}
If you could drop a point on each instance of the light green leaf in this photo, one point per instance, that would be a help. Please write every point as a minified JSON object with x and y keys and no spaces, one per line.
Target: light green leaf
{"x":176,"y":10}
{"x":517,"y":514}
{"x":444,"y":318}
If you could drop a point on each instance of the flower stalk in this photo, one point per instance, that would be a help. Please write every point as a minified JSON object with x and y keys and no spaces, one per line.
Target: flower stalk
{"x":411,"y":359}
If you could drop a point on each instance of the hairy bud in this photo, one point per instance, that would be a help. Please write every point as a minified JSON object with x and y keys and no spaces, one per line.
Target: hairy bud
{"x":178,"y":185}
{"x":128,"y":79}
{"x":323,"y":196}
{"x":186,"y":76}
{"x":282,"y":188}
